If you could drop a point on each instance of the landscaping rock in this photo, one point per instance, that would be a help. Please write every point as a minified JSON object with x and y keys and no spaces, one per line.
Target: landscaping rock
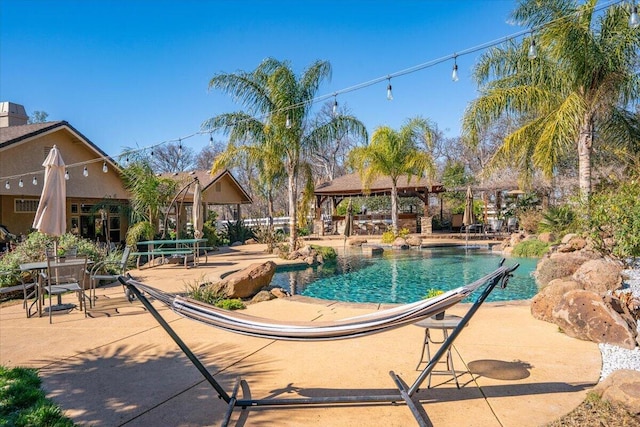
{"x":251,"y":241}
{"x":372,"y":250}
{"x":546,"y":237}
{"x":574,"y":244}
{"x":236,"y":244}
{"x":547,"y":299}
{"x":262,"y":296}
{"x":356,"y":241}
{"x":248,"y":281}
{"x":515,"y":239}
{"x":599,"y":275}
{"x":583,"y":314}
{"x":557,"y":267}
{"x":567,"y":238}
{"x":623,"y":387}
{"x":414,"y":241}
{"x":279,"y":293}
{"x":400,"y":243}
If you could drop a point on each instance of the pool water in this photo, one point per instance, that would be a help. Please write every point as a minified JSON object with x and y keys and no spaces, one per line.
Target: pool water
{"x":405,"y":276}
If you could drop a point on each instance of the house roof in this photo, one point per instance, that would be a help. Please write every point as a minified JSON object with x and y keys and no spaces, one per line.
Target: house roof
{"x":207,"y":181}
{"x":16,"y":134}
{"x":351,"y":185}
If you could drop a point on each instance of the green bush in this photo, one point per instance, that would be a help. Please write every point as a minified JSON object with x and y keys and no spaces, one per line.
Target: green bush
{"x":236,"y":231}
{"x":230,"y":304}
{"x":390,"y":236}
{"x":23,"y":403}
{"x":612,"y":219}
{"x":328,"y":253}
{"x":559,"y":220}
{"x":530,"y":248}
{"x":210,"y":232}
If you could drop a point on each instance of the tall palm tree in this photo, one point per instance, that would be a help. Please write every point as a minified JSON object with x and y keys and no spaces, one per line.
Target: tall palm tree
{"x":574,"y":93}
{"x":277,"y":119}
{"x":395,"y":154}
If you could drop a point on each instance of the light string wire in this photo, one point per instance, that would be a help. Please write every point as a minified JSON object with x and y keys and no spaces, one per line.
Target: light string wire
{"x":334,"y":94}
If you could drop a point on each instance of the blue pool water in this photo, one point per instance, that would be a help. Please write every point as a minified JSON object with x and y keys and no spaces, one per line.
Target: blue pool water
{"x":405,"y":276}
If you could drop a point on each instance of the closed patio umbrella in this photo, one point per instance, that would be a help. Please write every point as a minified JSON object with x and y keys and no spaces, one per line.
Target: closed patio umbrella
{"x":348,"y":222}
{"x":467,"y":218}
{"x":51,"y":215}
{"x":197,"y":211}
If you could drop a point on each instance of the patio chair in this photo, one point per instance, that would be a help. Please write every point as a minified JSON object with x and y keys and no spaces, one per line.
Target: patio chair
{"x":64,"y":276}
{"x":376,"y":322}
{"x":30,"y":287}
{"x":107,"y":271}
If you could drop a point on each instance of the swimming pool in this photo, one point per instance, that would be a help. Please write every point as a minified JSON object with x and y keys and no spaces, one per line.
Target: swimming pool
{"x":405,"y":276}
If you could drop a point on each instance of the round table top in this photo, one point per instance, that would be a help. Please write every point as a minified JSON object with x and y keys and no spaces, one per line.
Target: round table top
{"x":450,"y":321}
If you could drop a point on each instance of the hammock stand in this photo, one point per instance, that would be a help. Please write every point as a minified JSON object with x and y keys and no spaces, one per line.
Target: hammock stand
{"x":405,"y":393}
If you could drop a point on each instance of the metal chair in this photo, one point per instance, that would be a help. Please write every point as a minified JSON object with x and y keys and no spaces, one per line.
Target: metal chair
{"x":63,"y":276}
{"x":107,"y":270}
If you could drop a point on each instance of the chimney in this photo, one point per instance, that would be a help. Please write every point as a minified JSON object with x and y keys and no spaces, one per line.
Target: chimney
{"x":12,"y":115}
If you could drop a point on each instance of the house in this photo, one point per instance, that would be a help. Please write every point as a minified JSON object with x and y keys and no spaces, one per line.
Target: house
{"x":96,"y":196}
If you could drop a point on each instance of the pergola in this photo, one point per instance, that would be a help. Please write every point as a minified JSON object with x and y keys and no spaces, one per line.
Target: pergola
{"x":351,"y":186}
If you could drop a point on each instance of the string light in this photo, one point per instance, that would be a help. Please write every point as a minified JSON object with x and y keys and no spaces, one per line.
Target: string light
{"x":454,"y":74}
{"x":634,"y":21}
{"x":20,"y":183}
{"x":335,"y":105}
{"x":66,"y":174}
{"x":85,"y":172}
{"x":105,"y":169}
{"x":35,"y":180}
{"x":288,"y":122}
{"x":7,"y":185}
{"x":389,"y":93}
{"x":533,"y":52}
{"x":180,"y":148}
{"x":210,"y":139}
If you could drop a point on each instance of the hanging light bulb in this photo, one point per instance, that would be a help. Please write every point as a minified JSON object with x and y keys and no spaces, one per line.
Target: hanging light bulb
{"x":210,"y":140}
{"x":85,"y":172}
{"x":288,"y":122}
{"x":335,"y":105}
{"x":389,"y":93}
{"x":66,"y":174}
{"x":634,"y":20}
{"x":454,"y":73}
{"x":533,"y":52}
{"x":34,"y":181}
{"x":7,"y":185}
{"x":105,"y":169}
{"x":20,"y":183}
{"x":180,"y":148}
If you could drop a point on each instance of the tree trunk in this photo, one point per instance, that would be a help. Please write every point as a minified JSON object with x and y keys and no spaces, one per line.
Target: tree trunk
{"x":293,"y":221}
{"x":585,"y":143}
{"x":394,"y":206}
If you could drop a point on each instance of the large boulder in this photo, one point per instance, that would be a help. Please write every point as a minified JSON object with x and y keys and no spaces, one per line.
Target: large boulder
{"x":557,"y":266}
{"x":545,"y":301}
{"x":356,"y":241}
{"x":247,"y":282}
{"x":583,"y":314}
{"x":400,"y":243}
{"x":414,"y":240}
{"x":621,"y":387}
{"x":599,"y":275}
{"x":547,"y":237}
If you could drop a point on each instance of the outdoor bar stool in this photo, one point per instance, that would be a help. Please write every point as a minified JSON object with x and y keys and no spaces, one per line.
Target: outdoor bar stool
{"x":448,"y":323}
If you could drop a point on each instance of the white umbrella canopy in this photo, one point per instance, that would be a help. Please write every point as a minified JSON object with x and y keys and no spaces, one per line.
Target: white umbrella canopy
{"x":51,"y":215}
{"x":197,"y":211}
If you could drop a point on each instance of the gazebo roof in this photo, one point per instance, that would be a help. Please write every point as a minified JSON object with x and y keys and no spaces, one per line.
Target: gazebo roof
{"x":222,"y":188}
{"x":351,"y":185}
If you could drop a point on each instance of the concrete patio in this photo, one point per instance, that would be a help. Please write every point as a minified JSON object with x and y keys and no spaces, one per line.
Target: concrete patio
{"x":118,"y":367}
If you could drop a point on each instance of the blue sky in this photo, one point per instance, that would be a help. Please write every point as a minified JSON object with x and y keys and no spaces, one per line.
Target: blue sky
{"x":135,"y":73}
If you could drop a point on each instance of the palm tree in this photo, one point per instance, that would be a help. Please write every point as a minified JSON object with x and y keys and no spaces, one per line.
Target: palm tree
{"x":395,"y":154}
{"x":277,"y":119}
{"x":573,"y":94}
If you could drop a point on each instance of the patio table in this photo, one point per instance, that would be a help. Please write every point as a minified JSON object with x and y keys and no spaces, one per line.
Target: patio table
{"x":163,"y":247}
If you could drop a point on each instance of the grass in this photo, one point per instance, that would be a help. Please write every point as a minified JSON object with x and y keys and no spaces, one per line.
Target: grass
{"x":23,"y":402}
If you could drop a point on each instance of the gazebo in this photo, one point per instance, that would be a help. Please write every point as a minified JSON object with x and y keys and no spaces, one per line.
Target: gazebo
{"x":351,"y":186}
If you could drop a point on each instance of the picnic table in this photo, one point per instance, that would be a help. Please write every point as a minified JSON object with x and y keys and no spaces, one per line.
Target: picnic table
{"x":172,"y":248}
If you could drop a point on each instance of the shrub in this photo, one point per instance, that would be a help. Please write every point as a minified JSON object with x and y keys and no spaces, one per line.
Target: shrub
{"x":390,"y":236}
{"x":269,"y":236}
{"x":328,"y":253}
{"x":210,"y":232}
{"x":236,"y":231}
{"x":612,"y":219}
{"x":230,"y":304}
{"x":529,"y":220}
{"x":530,"y":248}
{"x":558,"y":220}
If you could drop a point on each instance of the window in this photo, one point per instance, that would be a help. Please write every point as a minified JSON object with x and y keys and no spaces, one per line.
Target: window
{"x":26,"y":205}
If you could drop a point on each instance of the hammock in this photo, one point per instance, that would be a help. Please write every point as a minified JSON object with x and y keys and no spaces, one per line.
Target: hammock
{"x":352,"y":327}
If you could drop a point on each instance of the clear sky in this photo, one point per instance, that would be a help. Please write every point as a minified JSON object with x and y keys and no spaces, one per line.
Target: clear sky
{"x":135,"y":73}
